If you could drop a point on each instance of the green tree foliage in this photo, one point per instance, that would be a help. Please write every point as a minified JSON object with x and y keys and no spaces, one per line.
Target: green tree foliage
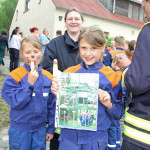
{"x":7,"y":8}
{"x":109,"y":40}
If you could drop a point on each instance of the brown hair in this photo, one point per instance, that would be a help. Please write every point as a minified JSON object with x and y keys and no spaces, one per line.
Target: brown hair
{"x":31,"y":40}
{"x":73,"y":9}
{"x":93,"y":35}
{"x":120,"y":40}
{"x":132,"y":45}
{"x":59,"y":32}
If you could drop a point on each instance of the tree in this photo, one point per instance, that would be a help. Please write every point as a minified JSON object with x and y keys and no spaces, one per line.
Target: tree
{"x":7,"y":8}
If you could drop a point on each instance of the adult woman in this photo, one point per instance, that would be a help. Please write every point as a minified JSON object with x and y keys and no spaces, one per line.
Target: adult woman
{"x":3,"y":44}
{"x":14,"y":46}
{"x":65,"y":49}
{"x":34,"y":32}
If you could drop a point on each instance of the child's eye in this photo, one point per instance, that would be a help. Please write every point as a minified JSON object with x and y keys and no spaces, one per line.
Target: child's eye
{"x":83,"y":48}
{"x":93,"y":48}
{"x":27,"y":52}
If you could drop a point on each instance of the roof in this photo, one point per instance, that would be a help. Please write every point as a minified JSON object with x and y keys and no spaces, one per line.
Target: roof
{"x":137,"y":1}
{"x":95,"y":8}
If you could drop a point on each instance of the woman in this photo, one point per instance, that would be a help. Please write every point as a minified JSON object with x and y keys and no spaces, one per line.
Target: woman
{"x":3,"y":44}
{"x":14,"y":46}
{"x":65,"y":49}
{"x":34,"y":32}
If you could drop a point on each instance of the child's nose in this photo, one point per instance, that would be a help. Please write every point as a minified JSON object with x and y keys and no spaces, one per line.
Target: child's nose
{"x":88,"y":52}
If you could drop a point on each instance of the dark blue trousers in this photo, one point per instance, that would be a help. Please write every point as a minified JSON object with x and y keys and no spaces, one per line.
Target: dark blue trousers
{"x":14,"y":58}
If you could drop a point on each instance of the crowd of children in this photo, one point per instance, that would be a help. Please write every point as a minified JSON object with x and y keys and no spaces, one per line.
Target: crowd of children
{"x":31,"y":94}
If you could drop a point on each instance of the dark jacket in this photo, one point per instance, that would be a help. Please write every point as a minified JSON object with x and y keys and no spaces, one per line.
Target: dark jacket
{"x":3,"y":40}
{"x":64,"y":50}
{"x":137,"y":81}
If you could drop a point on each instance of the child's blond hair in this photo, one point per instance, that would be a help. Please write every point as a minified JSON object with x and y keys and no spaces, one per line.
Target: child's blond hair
{"x":117,"y":58}
{"x":120,"y":40}
{"x":31,"y":40}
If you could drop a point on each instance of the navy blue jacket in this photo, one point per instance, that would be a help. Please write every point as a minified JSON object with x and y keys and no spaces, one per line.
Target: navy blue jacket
{"x":137,"y":77}
{"x":31,"y":106}
{"x":64,"y":50}
{"x":108,"y":80}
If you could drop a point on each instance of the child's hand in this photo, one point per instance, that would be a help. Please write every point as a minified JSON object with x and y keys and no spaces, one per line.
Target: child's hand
{"x":33,"y":75}
{"x":105,"y":98}
{"x":55,"y":86}
{"x":49,"y":137}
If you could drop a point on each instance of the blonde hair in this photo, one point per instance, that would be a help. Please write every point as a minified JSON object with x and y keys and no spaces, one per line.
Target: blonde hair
{"x":120,"y":40}
{"x":117,"y":58}
{"x":31,"y":40}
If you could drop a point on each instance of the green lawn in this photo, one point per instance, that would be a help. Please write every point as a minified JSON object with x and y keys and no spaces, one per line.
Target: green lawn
{"x":4,"y":107}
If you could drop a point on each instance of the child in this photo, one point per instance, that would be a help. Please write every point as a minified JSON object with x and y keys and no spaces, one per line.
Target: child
{"x":131,"y":48}
{"x":27,"y":90}
{"x":91,"y":47}
{"x":114,"y":132}
{"x":119,"y":44}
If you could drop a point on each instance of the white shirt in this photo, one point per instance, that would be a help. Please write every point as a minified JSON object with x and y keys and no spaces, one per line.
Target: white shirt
{"x":14,"y":42}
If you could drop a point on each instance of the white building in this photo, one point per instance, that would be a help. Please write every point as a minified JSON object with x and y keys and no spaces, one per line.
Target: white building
{"x":114,"y":17}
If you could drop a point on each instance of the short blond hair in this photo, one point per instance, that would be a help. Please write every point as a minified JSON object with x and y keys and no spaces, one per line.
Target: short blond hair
{"x":120,"y":40}
{"x":117,"y":58}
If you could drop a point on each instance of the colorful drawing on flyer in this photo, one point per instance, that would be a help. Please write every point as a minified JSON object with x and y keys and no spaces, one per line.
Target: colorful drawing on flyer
{"x":78,"y":101}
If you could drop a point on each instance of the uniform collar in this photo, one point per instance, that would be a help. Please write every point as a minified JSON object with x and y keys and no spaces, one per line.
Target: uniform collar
{"x":29,"y":69}
{"x":69,"y":41}
{"x":95,"y":66}
{"x":119,"y":48}
{"x":117,"y":70}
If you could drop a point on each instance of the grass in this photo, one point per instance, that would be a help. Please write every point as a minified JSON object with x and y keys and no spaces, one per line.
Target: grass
{"x":4,"y":107}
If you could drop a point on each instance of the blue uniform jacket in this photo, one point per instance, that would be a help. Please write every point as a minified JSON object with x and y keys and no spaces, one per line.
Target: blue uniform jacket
{"x":110,"y":55}
{"x":64,"y":50}
{"x":108,"y":80}
{"x":31,"y":106}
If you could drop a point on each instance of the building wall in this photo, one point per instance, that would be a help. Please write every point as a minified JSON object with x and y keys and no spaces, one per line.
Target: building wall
{"x":113,"y":28}
{"x":46,"y":15}
{"x":40,"y":15}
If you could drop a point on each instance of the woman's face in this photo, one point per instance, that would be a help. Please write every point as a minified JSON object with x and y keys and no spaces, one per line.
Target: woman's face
{"x":73,"y":22}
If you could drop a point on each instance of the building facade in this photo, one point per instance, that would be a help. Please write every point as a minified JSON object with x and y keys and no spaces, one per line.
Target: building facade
{"x":114,"y":17}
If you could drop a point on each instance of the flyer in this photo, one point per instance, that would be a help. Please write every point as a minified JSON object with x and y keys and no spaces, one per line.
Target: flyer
{"x":77,"y":101}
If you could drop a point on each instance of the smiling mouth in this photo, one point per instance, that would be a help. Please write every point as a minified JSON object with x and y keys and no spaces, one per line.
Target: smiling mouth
{"x":88,"y":59}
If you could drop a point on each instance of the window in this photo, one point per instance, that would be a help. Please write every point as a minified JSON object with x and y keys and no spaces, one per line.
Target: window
{"x":135,"y":12}
{"x":27,"y":5}
{"x":16,"y":15}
